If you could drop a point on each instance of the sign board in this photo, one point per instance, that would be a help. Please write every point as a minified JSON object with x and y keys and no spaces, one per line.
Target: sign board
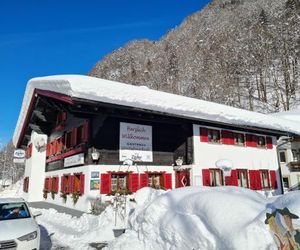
{"x":19,"y":153}
{"x":74,"y":160}
{"x":135,"y":142}
{"x":19,"y":160}
{"x":19,"y":156}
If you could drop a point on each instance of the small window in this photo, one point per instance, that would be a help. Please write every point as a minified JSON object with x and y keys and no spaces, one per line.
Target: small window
{"x":216,"y":177}
{"x":282,"y":156}
{"x":119,"y":182}
{"x":155,"y":181}
{"x":296,"y":154}
{"x":265,"y":181}
{"x":239,"y":139}
{"x":286,"y":183}
{"x":261,"y":141}
{"x":213,"y":135}
{"x":242,"y":175}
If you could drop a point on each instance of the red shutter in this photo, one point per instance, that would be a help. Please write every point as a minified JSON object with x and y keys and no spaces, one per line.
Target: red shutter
{"x":62,"y":184}
{"x":254,"y":141}
{"x":133,"y":182}
{"x":81,"y":191}
{"x":248,"y":140}
{"x":258,"y":180}
{"x":71,"y":183}
{"x":206,"y":177}
{"x":45,"y":183}
{"x":48,"y":149}
{"x":85,"y":131}
{"x":64,"y":117}
{"x":74,"y":137}
{"x":144,"y":180}
{"x":269,"y":143}
{"x":273,"y":179}
{"x":227,"y":137}
{"x":105,"y":183}
{"x":203,"y":135}
{"x":252,"y":176}
{"x":168,"y":181}
{"x":232,"y":180}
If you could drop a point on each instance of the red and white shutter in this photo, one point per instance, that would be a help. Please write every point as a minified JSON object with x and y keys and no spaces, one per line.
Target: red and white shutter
{"x":206,"y":177}
{"x":105,"y":184}
{"x":133,"y":182}
{"x":168,"y":180}
{"x":203,"y":135}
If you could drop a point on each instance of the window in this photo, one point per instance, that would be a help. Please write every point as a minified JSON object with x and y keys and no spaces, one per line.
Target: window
{"x":119,"y":182}
{"x":261,"y":141}
{"x":286,"y":183}
{"x":216,"y":177}
{"x":265,"y":181}
{"x":239,"y":139}
{"x":296,"y":154}
{"x":242,"y":175}
{"x":155,"y":180}
{"x":213,"y":135}
{"x":65,"y":187}
{"x":282,"y":156}
{"x":17,"y":210}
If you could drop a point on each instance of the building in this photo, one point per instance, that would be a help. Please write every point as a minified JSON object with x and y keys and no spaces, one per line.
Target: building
{"x":289,"y":154}
{"x":87,"y":137}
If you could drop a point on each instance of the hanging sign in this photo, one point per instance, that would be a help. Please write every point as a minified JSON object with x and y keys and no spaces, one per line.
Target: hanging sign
{"x":19,"y":156}
{"x":135,"y":142}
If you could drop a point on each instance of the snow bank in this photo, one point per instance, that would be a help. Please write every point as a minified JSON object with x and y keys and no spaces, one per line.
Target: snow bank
{"x":14,"y":190}
{"x":106,"y":91}
{"x":203,"y":218}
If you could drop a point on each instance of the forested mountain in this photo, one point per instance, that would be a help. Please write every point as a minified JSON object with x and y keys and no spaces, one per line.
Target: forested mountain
{"x":243,"y":53}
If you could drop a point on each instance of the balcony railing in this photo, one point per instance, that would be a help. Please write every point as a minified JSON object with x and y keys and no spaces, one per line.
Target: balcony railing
{"x":294,"y":165}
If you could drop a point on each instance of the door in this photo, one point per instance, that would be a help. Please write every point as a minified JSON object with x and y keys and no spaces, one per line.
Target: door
{"x":182,"y":178}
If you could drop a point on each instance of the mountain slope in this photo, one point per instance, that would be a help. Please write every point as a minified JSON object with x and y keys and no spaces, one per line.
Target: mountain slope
{"x":243,"y":53}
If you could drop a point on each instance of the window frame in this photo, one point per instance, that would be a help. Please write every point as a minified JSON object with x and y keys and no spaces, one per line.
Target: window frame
{"x":117,"y":187}
{"x":212,"y":181}
{"x":239,"y":180}
{"x":284,"y":154}
{"x":267,"y":173}
{"x":235,"y":142}
{"x":210,"y":132}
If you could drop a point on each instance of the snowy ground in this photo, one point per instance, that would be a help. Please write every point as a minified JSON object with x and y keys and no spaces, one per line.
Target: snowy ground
{"x":185,"y":218}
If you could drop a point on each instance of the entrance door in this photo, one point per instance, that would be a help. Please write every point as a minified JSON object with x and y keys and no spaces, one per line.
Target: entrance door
{"x":182,"y":178}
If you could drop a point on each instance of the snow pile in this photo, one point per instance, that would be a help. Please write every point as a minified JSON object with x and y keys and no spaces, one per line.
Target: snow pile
{"x":77,"y":233}
{"x":106,"y":91}
{"x":14,"y":190}
{"x":203,"y":218}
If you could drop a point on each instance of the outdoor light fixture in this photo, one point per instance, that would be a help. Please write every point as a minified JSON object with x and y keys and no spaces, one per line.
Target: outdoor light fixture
{"x":95,"y":156}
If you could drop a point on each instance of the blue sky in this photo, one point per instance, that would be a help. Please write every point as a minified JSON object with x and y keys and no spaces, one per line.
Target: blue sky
{"x":48,"y":37}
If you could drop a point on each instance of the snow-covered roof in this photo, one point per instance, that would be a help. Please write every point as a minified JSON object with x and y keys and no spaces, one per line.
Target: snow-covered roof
{"x":291,"y":115}
{"x":111,"y":92}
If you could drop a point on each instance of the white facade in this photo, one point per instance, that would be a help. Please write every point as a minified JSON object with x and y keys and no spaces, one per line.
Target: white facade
{"x":35,"y":170}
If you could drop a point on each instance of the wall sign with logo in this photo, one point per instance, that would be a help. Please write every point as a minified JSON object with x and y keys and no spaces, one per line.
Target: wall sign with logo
{"x":135,"y":142}
{"x":19,"y":156}
{"x":74,"y":160}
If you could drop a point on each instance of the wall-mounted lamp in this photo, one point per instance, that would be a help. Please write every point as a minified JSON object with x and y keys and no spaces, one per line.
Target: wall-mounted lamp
{"x":95,"y":156}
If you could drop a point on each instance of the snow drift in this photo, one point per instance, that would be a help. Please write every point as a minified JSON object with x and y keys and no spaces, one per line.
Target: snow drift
{"x":203,"y":218}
